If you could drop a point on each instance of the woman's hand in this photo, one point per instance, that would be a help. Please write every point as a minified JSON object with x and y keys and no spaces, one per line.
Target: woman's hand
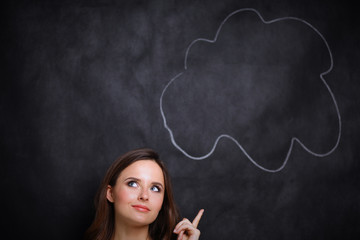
{"x":187,"y":230}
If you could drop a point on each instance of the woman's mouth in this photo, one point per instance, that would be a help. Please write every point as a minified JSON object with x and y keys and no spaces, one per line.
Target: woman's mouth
{"x":141,"y":208}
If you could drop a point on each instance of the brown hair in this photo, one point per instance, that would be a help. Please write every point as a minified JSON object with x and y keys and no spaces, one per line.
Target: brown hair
{"x":102,"y":228}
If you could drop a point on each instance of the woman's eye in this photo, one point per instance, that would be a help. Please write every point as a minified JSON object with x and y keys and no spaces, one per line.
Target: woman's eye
{"x":155,"y":189}
{"x":132,"y":184}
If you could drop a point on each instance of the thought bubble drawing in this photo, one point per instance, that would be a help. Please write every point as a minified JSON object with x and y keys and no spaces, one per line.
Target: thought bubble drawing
{"x":261,"y":61}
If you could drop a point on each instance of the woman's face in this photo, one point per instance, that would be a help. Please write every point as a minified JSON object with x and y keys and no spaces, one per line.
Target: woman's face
{"x":138,"y":193}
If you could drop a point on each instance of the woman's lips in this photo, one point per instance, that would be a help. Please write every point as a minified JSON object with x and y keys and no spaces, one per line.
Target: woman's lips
{"x":141,"y":208}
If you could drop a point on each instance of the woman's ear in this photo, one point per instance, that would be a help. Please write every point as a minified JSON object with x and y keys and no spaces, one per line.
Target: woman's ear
{"x":109,"y":194}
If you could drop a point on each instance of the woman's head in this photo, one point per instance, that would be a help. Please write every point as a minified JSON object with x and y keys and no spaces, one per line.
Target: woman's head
{"x":138,"y":194}
{"x":137,"y":189}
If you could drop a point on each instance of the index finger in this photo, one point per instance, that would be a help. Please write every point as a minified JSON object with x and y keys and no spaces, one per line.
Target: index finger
{"x":197,"y":218}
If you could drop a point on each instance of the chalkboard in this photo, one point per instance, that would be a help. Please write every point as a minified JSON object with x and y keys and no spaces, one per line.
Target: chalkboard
{"x":252,"y":105}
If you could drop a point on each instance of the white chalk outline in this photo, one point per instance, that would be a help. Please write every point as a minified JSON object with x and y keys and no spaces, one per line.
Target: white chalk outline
{"x":294,"y":139}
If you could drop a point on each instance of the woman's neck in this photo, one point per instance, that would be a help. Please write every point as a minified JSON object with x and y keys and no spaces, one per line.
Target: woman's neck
{"x":124,"y":232}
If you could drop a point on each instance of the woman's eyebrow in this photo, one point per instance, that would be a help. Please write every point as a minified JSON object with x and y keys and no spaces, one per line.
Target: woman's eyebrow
{"x":132,"y":178}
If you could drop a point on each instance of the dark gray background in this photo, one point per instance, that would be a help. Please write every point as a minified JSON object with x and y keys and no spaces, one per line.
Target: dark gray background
{"x":81,"y":83}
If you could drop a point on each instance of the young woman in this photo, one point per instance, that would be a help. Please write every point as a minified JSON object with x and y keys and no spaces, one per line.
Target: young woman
{"x":135,"y":202}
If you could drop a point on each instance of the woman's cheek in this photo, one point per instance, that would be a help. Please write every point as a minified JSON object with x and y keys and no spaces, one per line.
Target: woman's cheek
{"x":126,"y":195}
{"x":159,"y":199}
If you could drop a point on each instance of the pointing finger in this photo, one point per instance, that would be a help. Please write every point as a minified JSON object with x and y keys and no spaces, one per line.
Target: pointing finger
{"x":197,"y":218}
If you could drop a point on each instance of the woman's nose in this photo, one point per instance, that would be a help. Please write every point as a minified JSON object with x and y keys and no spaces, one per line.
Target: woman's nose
{"x":144,"y":195}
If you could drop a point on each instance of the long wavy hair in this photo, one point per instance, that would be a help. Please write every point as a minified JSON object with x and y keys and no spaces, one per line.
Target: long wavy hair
{"x":103,"y":226}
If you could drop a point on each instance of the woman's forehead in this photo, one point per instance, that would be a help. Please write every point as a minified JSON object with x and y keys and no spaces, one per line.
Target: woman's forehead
{"x":147,"y":170}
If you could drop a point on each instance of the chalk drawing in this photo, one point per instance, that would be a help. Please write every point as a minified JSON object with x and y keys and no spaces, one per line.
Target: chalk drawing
{"x":293,"y":139}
